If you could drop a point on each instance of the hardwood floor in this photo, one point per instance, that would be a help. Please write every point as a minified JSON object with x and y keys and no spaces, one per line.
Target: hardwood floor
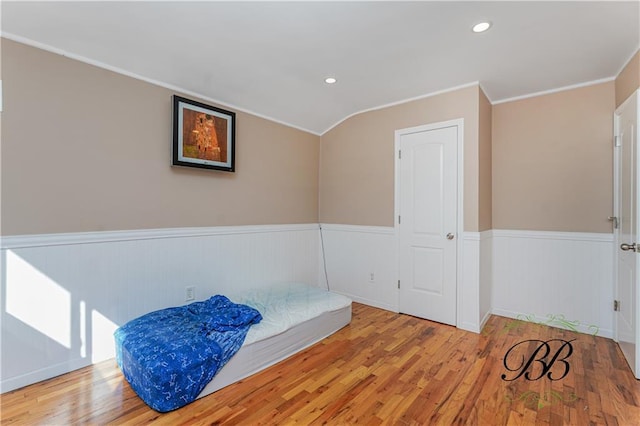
{"x":383,"y":368}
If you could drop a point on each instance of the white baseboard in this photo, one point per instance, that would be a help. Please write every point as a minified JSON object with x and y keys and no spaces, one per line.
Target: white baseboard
{"x":45,"y":373}
{"x":484,"y":320}
{"x":548,"y":320}
{"x":368,"y":302}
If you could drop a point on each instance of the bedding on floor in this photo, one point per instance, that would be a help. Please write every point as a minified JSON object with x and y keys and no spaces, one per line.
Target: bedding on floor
{"x":279,"y":320}
{"x":295,"y":316}
{"x":169,"y":356}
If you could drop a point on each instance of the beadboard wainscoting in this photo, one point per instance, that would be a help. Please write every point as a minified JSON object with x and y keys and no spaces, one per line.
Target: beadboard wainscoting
{"x":563,"y":274}
{"x":352,"y":253}
{"x":63,"y":295}
{"x":474,"y":295}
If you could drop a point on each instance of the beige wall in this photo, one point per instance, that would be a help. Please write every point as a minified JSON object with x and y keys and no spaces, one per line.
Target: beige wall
{"x":628,"y":81}
{"x":485,"y":183}
{"x":552,"y":161}
{"x":357,"y":159}
{"x":86,"y":149}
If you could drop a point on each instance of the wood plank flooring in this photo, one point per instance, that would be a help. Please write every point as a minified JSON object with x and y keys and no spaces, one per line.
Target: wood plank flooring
{"x":384,"y":368}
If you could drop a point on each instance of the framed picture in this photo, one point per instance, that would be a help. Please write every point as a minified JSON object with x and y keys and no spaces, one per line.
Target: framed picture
{"x":203,"y":135}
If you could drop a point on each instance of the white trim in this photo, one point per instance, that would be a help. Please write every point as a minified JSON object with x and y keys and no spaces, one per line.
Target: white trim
{"x":477,"y":236}
{"x":459,"y":123}
{"x":404,"y":101}
{"x":484,"y":320}
{"x":460,"y":214}
{"x":572,"y":236}
{"x":582,"y":328}
{"x":12,"y":383}
{"x":55,"y":50}
{"x":486,"y":234}
{"x":485,"y":92}
{"x":468,"y":326}
{"x":46,"y":240}
{"x":481,"y":87}
{"x":471,"y":236}
{"x":556,"y":90}
{"x":366,"y":301}
{"x":634,"y":97}
{"x":182,"y":90}
{"x":389,"y":230}
{"x":628,"y":61}
{"x":616,"y":210}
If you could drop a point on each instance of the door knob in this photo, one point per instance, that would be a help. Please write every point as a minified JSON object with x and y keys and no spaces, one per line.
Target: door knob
{"x":628,"y":247}
{"x":450,"y":236}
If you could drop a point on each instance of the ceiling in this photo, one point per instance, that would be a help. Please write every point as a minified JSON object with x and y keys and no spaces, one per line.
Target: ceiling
{"x":271,"y":58}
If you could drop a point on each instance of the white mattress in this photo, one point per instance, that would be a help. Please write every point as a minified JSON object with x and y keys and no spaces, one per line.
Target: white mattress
{"x":294,"y":316}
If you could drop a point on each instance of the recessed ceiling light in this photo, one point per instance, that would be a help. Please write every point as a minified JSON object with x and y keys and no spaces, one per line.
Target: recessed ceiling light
{"x":330,"y":80}
{"x":481,"y":27}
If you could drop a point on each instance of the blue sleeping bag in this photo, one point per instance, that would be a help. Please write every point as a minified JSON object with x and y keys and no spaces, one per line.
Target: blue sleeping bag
{"x":169,"y":356}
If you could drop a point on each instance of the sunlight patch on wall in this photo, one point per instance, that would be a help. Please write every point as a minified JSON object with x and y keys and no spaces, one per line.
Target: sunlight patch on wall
{"x":83,"y":329}
{"x":102,"y":329}
{"x":37,"y":300}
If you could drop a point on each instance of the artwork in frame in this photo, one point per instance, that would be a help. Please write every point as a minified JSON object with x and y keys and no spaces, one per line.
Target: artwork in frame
{"x":203,"y":135}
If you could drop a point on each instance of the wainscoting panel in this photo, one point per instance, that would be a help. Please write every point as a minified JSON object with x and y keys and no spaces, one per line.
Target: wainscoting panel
{"x":63,"y":295}
{"x":469,"y":283}
{"x":486,"y":276}
{"x":474,"y":291}
{"x":546,"y":274}
{"x":352,"y":254}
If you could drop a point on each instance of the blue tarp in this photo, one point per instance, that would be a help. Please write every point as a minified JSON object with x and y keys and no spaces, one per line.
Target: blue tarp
{"x":169,"y":356}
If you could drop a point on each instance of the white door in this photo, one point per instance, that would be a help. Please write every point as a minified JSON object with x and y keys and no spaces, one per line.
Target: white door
{"x":626,"y":236}
{"x":427,"y":229}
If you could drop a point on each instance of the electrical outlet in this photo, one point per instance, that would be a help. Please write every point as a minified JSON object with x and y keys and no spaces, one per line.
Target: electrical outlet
{"x":190,"y":293}
{"x":372,"y":277}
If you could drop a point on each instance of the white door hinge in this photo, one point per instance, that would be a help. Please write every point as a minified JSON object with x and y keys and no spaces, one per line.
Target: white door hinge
{"x":616,"y":305}
{"x":616,"y":141}
{"x":398,"y":283}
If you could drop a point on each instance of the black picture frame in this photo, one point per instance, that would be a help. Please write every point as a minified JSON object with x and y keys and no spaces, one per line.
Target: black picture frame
{"x":203,"y":135}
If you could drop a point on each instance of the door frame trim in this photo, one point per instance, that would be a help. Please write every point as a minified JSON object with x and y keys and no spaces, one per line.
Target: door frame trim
{"x":616,"y":213}
{"x":459,"y":123}
{"x":634,"y":98}
{"x":616,"y":202}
